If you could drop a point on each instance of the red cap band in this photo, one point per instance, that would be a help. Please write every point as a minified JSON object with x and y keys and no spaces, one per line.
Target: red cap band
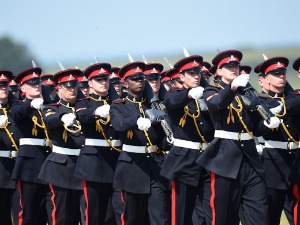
{"x":189,"y":65}
{"x":28,"y":77}
{"x":67,"y":78}
{"x":274,"y":67}
{"x":132,"y":72}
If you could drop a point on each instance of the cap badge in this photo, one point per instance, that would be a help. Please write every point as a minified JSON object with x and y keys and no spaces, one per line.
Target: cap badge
{"x":113,"y":75}
{"x":138,"y":70}
{"x":102,"y":70}
{"x":279,"y":65}
{"x":13,"y":82}
{"x":34,"y":75}
{"x":2,"y":77}
{"x":84,"y":78}
{"x":71,"y":77}
{"x":195,"y":63}
{"x":232,"y":58}
{"x":154,"y":70}
{"x":49,"y":81}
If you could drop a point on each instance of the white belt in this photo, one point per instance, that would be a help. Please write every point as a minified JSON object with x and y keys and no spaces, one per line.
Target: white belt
{"x":233,"y":135}
{"x":189,"y":144}
{"x":261,"y":140}
{"x":65,"y":151}
{"x":139,"y":149}
{"x":281,"y":145}
{"x":100,"y":142}
{"x":8,"y":154}
{"x":34,"y":141}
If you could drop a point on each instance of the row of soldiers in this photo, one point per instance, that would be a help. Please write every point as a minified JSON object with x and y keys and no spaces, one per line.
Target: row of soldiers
{"x":187,"y":153}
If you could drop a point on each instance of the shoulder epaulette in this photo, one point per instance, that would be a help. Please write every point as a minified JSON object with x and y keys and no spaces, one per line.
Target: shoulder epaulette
{"x":119,"y":101}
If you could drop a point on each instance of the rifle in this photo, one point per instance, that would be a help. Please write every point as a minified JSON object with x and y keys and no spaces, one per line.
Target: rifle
{"x":252,"y":100}
{"x":157,"y":113}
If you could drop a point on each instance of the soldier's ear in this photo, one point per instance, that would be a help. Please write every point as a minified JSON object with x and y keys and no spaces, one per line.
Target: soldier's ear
{"x":22,"y":88}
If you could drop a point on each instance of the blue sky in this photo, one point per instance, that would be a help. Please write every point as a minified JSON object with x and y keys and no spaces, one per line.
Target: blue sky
{"x":78,"y":30}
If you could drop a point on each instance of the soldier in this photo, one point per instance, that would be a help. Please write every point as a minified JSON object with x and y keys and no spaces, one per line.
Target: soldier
{"x":175,"y":78}
{"x":166,"y":80}
{"x":152,"y":75}
{"x":280,"y":144}
{"x":245,"y":69}
{"x":98,"y":158}
{"x":58,"y":169}
{"x":115,"y":80}
{"x":83,"y":85}
{"x":217,"y":77}
{"x":205,"y":71}
{"x":14,"y":88}
{"x":33,"y":150}
{"x":236,"y":170}
{"x":8,"y":149}
{"x":192,"y":131}
{"x":48,"y":80}
{"x":144,"y":191}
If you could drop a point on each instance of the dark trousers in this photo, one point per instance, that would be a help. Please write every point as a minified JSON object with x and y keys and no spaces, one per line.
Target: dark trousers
{"x":118,"y":205}
{"x":247,"y":194}
{"x":63,"y":206}
{"x":288,"y":208}
{"x":152,"y":208}
{"x":32,"y":209}
{"x":96,"y":198}
{"x":110,"y":218}
{"x":6,"y":205}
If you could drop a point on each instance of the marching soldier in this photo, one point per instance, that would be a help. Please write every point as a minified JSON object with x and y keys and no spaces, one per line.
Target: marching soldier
{"x":33,"y":150}
{"x":175,"y":78}
{"x":236,"y":171}
{"x":115,"y":80}
{"x":143,"y":191}
{"x":14,"y":88}
{"x":99,"y":155}
{"x":48,"y":80}
{"x":281,"y":145}
{"x":152,"y":75}
{"x":217,"y":77}
{"x":245,"y":69}
{"x":165,"y":80}
{"x":63,"y":200}
{"x":192,"y":131}
{"x":205,"y":71}
{"x":8,"y":148}
{"x":83,"y":85}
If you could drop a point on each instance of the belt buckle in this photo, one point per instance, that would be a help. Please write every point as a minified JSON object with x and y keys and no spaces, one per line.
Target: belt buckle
{"x":146,"y":149}
{"x":10,"y":154}
{"x":239,"y":136}
{"x":288,"y":145}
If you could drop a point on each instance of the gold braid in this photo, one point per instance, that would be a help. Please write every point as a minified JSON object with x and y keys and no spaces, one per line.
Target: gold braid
{"x":77,"y":125}
{"x":194,"y":117}
{"x":282,"y":123}
{"x":238,"y":111}
{"x":7,"y":131}
{"x":143,"y":113}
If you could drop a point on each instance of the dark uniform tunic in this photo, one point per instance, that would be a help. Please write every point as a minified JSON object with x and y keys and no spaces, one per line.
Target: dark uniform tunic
{"x":279,"y":155}
{"x":180,"y":164}
{"x":96,"y":164}
{"x":138,"y":174}
{"x":32,"y":153}
{"x":58,"y":169}
{"x":236,"y":169}
{"x":8,"y":146}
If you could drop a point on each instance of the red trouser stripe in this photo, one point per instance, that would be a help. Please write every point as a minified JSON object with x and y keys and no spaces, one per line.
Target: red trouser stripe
{"x":122,"y":215}
{"x":85,"y":192}
{"x":212,"y":198}
{"x":20,"y":214}
{"x":53,"y":214}
{"x":296,"y":194}
{"x":173,"y":202}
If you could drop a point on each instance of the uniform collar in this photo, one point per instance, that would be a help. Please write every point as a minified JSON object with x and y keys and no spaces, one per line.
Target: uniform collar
{"x":274,"y":94}
{"x":134,"y":99}
{"x":66,"y":104}
{"x":99,"y":98}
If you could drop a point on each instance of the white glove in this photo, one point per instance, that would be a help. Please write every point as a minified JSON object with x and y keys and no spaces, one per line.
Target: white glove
{"x":274,"y":122}
{"x":196,"y":92}
{"x":3,"y":120}
{"x":277,"y":109}
{"x":68,"y":119}
{"x":143,"y":123}
{"x":259,"y":148}
{"x":202,"y":104}
{"x":102,"y":111}
{"x":241,"y":80}
{"x":37,"y":103}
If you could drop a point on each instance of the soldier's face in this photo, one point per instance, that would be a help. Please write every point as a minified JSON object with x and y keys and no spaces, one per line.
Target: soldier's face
{"x":85,"y":91}
{"x":3,"y":93}
{"x":135,"y":86}
{"x":276,"y":81}
{"x":263,"y":83}
{"x":69,"y":94}
{"x":31,"y":90}
{"x":118,"y":88}
{"x":229,"y":73}
{"x":155,"y":84}
{"x":190,"y":79}
{"x":99,"y":86}
{"x":207,"y":78}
